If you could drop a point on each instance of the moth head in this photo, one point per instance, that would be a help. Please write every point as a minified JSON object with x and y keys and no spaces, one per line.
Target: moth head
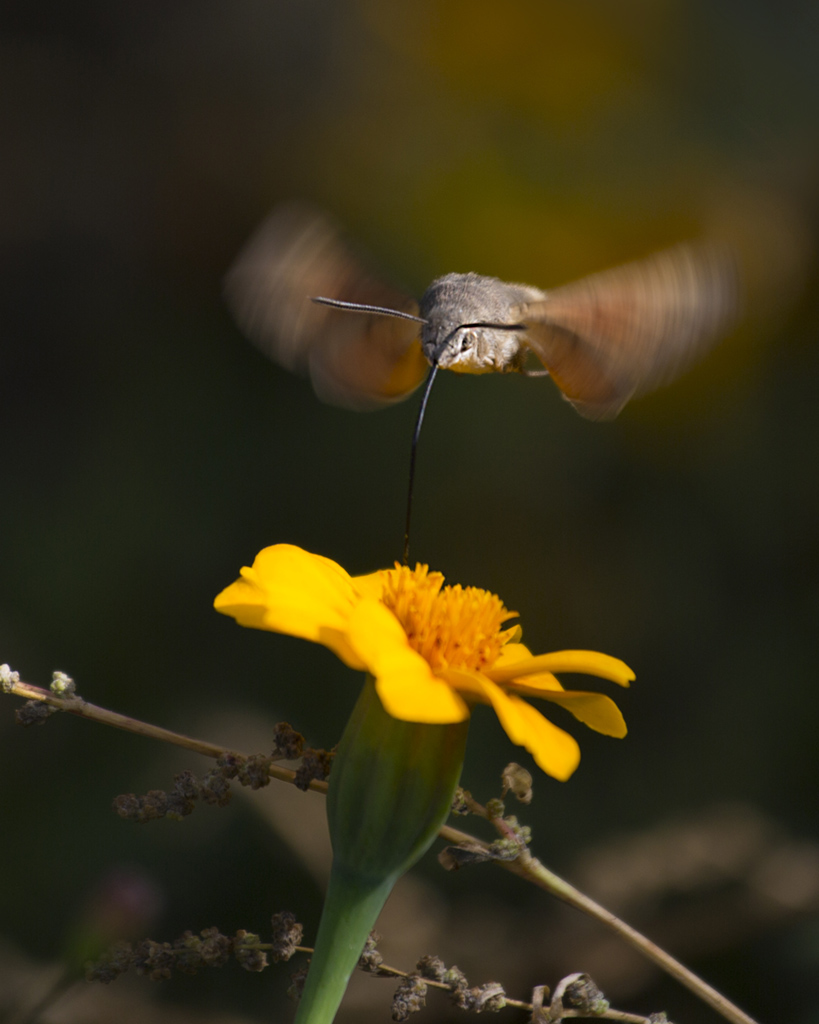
{"x":472,"y":347}
{"x":467,"y":325}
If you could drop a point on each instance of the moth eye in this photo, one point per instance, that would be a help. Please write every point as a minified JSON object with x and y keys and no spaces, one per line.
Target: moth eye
{"x":466,"y":342}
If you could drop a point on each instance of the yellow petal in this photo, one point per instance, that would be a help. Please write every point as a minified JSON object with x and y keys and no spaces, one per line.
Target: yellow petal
{"x":244,"y":600}
{"x":371,"y":585}
{"x":554,"y":750}
{"x":590,"y":662}
{"x":472,"y":684}
{"x":595,"y":710}
{"x":513,"y":634}
{"x":288,"y":590}
{"x":404,"y":681}
{"x":512,"y":652}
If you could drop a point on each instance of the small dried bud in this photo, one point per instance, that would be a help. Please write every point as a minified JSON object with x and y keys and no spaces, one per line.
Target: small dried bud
{"x":370,"y":959}
{"x":154,"y":959}
{"x":315,"y":764}
{"x":8,"y":678}
{"x":410,"y":997}
{"x":523,"y":833}
{"x":489,"y":997}
{"x":455,"y":978}
{"x":186,"y":785}
{"x":127,"y":806}
{"x":215,"y":948}
{"x":511,"y":847}
{"x":153,"y":805}
{"x":247,"y":952}
{"x":579,"y":992}
{"x":187,"y":952}
{"x":62,"y":685}
{"x":183,"y":796}
{"x":288,"y":744}
{"x":297,"y":980}
{"x":230,"y":764}
{"x":453,"y":857}
{"x":505,"y":849}
{"x":518,"y":781}
{"x":459,"y":804}
{"x":33,"y":712}
{"x":287,"y":934}
{"x":495,"y":808}
{"x":255,"y":772}
{"x":215,"y":788}
{"x":432,"y":967}
{"x":117,"y":960}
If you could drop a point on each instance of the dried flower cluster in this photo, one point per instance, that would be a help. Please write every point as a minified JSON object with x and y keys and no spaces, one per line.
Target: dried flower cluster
{"x":210,"y":948}
{"x":214,"y":787}
{"x":411,"y":993}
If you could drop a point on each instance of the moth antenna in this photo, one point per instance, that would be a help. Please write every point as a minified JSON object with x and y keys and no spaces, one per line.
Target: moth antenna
{"x":416,"y":434}
{"x":357,"y":307}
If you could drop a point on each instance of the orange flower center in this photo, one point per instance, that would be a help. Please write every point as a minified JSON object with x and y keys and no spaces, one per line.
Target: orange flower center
{"x":453,"y":627}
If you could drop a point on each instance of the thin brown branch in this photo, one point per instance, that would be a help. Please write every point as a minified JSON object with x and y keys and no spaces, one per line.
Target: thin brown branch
{"x":530,"y":868}
{"x":83,"y":709}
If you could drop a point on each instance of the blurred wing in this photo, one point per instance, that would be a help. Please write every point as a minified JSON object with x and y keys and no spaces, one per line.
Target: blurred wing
{"x":629,"y":330}
{"x":358,"y":360}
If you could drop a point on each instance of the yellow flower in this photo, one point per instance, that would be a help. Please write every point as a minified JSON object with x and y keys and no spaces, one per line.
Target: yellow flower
{"x":434,"y":651}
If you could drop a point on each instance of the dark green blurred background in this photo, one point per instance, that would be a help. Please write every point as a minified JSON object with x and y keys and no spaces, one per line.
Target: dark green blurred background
{"x":148,"y":451}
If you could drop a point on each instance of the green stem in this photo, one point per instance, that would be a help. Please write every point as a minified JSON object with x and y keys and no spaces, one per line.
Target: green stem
{"x":350,"y":910}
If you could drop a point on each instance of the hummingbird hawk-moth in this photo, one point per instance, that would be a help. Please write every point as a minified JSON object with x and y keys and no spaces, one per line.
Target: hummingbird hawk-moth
{"x":364,"y":343}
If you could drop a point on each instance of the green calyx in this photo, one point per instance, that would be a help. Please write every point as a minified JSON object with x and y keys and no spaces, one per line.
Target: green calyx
{"x":391,"y":789}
